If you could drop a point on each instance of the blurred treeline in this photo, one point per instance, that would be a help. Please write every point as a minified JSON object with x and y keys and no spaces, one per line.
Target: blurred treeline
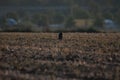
{"x":98,"y":10}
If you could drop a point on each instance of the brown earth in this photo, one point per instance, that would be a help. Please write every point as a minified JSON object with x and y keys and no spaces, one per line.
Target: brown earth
{"x":41,"y":56}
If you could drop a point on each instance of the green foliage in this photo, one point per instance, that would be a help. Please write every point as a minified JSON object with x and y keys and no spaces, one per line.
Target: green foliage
{"x":103,"y":3}
{"x":13,"y":15}
{"x":22,"y":27}
{"x":58,"y":18}
{"x":108,"y":15}
{"x":78,"y":9}
{"x":36,"y":18}
{"x":117,"y":17}
{"x":2,"y":21}
{"x":99,"y":21}
{"x":40,"y":19}
{"x":79,"y":13}
{"x":70,"y":22}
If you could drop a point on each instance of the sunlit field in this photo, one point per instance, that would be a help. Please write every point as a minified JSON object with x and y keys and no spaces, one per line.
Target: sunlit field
{"x":41,"y":56}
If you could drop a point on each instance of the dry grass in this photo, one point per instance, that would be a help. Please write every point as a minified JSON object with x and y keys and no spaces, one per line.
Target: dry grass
{"x":41,"y":56}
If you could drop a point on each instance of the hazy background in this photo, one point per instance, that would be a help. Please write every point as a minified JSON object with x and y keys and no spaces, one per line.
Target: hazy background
{"x":60,"y":15}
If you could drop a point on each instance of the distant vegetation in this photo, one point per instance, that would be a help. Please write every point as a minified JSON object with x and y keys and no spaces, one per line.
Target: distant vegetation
{"x":98,"y":10}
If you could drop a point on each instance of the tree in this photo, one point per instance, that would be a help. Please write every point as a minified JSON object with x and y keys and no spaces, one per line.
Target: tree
{"x":13,"y":15}
{"x":99,"y":21}
{"x":8,"y":19}
{"x":108,"y":15}
{"x":58,"y":18}
{"x":117,"y":17}
{"x":94,"y":7}
{"x":36,"y":18}
{"x":2,"y":21}
{"x":40,"y":19}
{"x":81,"y":14}
{"x":70,"y":22}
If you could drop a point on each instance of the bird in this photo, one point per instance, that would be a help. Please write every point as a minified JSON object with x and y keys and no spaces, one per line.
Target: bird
{"x":60,"y":36}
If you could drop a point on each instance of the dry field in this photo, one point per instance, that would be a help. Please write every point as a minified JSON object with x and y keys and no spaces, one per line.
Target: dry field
{"x":41,"y":56}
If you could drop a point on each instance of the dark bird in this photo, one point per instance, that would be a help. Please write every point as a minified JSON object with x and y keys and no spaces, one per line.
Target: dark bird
{"x":60,"y":36}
